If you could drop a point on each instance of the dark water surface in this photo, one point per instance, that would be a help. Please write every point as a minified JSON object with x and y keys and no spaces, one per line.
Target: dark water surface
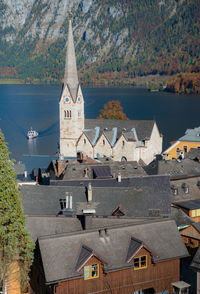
{"x":23,"y":106}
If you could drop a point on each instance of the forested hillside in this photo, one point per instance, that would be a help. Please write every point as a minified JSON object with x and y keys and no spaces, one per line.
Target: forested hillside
{"x":116,"y":40}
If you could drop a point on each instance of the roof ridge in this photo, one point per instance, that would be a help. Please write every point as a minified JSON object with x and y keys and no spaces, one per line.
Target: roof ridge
{"x":110,"y":227}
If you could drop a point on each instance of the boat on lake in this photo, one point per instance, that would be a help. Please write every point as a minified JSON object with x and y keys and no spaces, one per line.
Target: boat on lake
{"x":31,"y":134}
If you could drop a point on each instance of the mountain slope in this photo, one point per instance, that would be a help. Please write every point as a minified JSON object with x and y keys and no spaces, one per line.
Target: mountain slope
{"x":117,"y":39}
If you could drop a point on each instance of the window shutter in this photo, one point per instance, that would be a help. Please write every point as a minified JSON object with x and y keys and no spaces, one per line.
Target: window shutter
{"x":86,"y":272}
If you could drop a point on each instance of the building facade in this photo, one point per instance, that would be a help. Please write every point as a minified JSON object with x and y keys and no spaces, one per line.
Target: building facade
{"x":182,"y":146}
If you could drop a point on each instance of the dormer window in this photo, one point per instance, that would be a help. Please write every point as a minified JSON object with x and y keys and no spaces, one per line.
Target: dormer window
{"x":185,"y":188}
{"x":174,"y":190}
{"x":140,"y":262}
{"x":91,"y":271}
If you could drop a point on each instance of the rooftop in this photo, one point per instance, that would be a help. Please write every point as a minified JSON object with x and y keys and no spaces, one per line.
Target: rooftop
{"x":139,"y":197}
{"x":191,"y":135}
{"x":110,"y":246}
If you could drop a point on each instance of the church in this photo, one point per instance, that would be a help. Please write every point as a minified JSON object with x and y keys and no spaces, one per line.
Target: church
{"x":121,"y":140}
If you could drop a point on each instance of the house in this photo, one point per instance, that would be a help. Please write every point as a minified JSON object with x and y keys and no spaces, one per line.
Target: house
{"x":191,"y":208}
{"x":182,"y":146}
{"x":191,"y":235}
{"x":130,"y":140}
{"x":135,"y":197}
{"x":117,"y":259}
{"x":191,"y":238}
{"x":103,"y":235}
{"x":195,"y":266}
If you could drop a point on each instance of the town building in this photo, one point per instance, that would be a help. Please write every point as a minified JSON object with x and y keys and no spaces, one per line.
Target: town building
{"x":130,"y":140}
{"x":182,"y":146}
{"x":131,"y":258}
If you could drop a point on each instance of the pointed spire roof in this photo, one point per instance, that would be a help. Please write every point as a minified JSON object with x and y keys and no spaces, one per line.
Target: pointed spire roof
{"x":71,"y":75}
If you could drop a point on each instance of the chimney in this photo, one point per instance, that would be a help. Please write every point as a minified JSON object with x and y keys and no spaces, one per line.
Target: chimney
{"x":66,"y":205}
{"x":104,"y":235}
{"x":89,"y":192}
{"x":86,"y":172}
{"x":87,"y":218}
{"x":25,"y":174}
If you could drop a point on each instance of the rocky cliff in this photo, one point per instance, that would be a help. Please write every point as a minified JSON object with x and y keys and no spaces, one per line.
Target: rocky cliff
{"x":114,"y":38}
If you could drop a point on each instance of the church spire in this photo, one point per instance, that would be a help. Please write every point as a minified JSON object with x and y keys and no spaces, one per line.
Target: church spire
{"x":71,"y":75}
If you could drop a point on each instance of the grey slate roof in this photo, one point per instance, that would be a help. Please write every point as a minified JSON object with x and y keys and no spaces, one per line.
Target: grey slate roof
{"x":173,"y":168}
{"x":191,"y":205}
{"x":59,"y":253}
{"x":195,"y":264}
{"x":191,"y":135}
{"x":194,"y":154}
{"x":129,"y":136}
{"x":137,"y":195}
{"x":110,"y":136}
{"x":134,"y":245}
{"x":193,"y":191}
{"x":50,"y":225}
{"x":143,"y":127}
{"x":126,"y":169}
{"x":83,"y":256}
{"x":197,"y":226}
{"x":180,"y":217}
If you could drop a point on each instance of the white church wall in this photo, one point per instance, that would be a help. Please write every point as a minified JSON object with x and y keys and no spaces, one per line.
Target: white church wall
{"x":85,"y":146}
{"x":152,"y":146}
{"x":102,"y":148}
{"x":124,"y":149}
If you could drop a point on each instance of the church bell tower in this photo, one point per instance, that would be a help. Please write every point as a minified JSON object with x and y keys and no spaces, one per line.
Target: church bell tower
{"x":71,"y":103}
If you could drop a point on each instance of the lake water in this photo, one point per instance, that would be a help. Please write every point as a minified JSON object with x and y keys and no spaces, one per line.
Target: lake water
{"x":23,"y":106}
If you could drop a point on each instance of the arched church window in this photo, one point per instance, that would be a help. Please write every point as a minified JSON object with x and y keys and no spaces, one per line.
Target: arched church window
{"x":104,"y":142}
{"x":123,"y":143}
{"x":67,"y":113}
{"x":84,"y":141}
{"x":123,"y":159}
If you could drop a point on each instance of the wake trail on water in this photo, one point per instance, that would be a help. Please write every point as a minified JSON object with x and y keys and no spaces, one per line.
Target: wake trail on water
{"x":52,"y":129}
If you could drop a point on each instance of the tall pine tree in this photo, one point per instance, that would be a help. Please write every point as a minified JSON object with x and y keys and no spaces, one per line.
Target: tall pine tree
{"x":16,"y":248}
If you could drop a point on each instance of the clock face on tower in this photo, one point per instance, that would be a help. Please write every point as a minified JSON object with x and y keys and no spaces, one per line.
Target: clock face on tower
{"x":79,"y":99}
{"x":66,"y":99}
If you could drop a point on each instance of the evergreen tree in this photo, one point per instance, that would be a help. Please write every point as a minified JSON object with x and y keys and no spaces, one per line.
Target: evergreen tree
{"x":15,"y":243}
{"x":112,"y":110}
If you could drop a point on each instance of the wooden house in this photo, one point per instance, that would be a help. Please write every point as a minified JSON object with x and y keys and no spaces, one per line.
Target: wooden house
{"x":191,"y":235}
{"x":133,"y":258}
{"x":191,"y":208}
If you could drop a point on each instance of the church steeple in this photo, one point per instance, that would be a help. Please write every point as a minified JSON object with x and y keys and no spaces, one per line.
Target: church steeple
{"x":71,"y":103}
{"x":71,"y":75}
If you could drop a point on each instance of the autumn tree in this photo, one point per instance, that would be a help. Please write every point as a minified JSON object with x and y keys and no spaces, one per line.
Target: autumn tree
{"x":112,"y":110}
{"x":16,"y":248}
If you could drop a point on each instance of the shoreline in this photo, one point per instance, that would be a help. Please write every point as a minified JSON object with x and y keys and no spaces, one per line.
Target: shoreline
{"x":152,"y":83}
